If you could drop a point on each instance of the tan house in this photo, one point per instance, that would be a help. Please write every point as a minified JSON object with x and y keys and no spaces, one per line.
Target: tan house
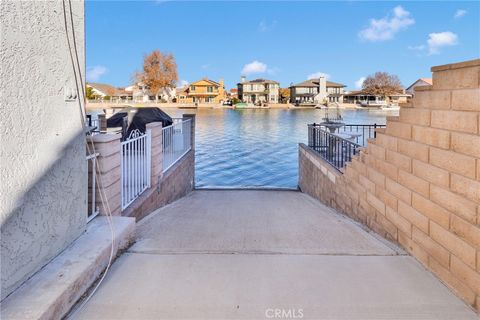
{"x":314,"y":91}
{"x":203,"y":91}
{"x":142,"y":93}
{"x":103,"y":91}
{"x":360,"y":97}
{"x":420,"y":82}
{"x":258,"y":91}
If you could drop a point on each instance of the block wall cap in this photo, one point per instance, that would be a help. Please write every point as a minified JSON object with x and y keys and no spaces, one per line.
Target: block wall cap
{"x":458,"y":65}
{"x":423,"y":88}
{"x":152,"y":125}
{"x":105,"y":137}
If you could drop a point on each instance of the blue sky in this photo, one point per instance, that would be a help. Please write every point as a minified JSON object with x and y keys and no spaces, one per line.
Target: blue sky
{"x":283,"y":41}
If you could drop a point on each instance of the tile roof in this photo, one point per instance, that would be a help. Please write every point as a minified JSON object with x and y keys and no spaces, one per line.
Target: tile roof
{"x":314,"y":83}
{"x":260,"y":81}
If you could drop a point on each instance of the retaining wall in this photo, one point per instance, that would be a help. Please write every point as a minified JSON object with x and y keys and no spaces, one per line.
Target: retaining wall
{"x":418,"y":182}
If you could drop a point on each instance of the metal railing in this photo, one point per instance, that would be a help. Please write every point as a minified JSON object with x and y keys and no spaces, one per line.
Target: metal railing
{"x":135,"y":166}
{"x":92,"y":186}
{"x":361,"y":132}
{"x":176,"y":142}
{"x":332,"y":148}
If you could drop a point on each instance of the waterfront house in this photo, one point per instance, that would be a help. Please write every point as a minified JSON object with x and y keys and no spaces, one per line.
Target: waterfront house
{"x":418,"y":83}
{"x":361,"y":97}
{"x":314,"y":91}
{"x":258,"y":91}
{"x":142,"y":93}
{"x":102,"y":91}
{"x":203,"y":91}
{"x":181,"y":94}
{"x":233,"y":94}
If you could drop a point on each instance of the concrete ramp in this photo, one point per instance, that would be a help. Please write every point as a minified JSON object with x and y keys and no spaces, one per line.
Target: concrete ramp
{"x":265,"y":255}
{"x":277,"y":222}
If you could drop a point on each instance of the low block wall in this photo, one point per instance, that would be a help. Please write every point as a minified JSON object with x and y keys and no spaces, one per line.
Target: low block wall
{"x":174,"y":184}
{"x":418,"y":182}
{"x":165,"y":187}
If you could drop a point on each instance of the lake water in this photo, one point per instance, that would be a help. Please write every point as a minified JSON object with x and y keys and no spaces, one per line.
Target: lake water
{"x":257,"y":148}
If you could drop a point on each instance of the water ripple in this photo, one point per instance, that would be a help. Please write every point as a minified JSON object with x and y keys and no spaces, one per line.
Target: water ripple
{"x":256,"y":148}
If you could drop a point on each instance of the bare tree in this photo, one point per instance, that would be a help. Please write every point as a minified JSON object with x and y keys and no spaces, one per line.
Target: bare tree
{"x":382,"y":84}
{"x":159,"y":71}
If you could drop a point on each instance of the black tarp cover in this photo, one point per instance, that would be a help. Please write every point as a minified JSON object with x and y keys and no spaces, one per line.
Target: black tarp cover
{"x":141,"y":116}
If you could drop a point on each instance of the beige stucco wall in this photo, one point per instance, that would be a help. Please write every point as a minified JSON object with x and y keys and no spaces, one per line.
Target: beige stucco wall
{"x":43,"y":166}
{"x":418,"y":182}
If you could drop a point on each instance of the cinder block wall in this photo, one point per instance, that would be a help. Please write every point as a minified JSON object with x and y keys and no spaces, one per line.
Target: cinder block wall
{"x":165,"y":188}
{"x":418,"y":182}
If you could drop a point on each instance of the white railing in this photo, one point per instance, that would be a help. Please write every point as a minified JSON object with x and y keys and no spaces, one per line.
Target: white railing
{"x":135,"y":166}
{"x":176,"y":142}
{"x":92,"y":182}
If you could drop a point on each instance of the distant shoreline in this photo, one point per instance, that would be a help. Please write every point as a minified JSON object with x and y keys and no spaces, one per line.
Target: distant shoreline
{"x":109,"y":105}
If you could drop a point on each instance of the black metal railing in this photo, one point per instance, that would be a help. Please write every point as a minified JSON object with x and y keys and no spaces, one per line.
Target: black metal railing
{"x":361,"y":132}
{"x":332,"y":148}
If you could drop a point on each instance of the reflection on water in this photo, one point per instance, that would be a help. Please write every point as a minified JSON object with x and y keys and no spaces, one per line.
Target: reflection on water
{"x":257,"y":148}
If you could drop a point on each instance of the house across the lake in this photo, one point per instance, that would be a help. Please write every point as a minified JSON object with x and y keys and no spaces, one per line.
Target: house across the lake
{"x":141,"y":93}
{"x":135,"y":93}
{"x":315,"y":91}
{"x":203,"y":91}
{"x":418,"y":83}
{"x":103,"y":91}
{"x":361,"y":97}
{"x":258,"y":91}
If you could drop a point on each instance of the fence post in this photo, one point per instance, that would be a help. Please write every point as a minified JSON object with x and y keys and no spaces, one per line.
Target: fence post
{"x":156,"y":171}
{"x":192,"y":117}
{"x":109,"y":178}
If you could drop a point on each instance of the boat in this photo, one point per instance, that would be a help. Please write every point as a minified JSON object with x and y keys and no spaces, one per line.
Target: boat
{"x":391,"y":107}
{"x":241,"y":105}
{"x":373,"y":104}
{"x":188,"y":106}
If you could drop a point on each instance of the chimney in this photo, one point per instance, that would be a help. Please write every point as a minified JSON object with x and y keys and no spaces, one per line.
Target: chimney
{"x":322,"y":88}
{"x":242,"y":79}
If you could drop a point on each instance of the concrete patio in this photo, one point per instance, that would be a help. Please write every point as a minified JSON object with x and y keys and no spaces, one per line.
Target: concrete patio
{"x":247,"y":254}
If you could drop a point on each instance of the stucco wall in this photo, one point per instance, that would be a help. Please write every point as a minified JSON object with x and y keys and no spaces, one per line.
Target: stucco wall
{"x":43,"y":166}
{"x":418,"y":182}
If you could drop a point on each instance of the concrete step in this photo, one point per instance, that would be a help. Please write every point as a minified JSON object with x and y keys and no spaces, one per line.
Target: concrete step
{"x":52,"y":291}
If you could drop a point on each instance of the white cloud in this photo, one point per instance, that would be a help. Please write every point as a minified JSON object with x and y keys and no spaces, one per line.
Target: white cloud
{"x":183,"y":83}
{"x":417,"y":48}
{"x":386,"y":28}
{"x":254,"y":67}
{"x":438,"y":40}
{"x":205,"y":66}
{"x":265,"y":26}
{"x":95,"y":73}
{"x":460,"y":13}
{"x":359,"y":82}
{"x":317,"y":75}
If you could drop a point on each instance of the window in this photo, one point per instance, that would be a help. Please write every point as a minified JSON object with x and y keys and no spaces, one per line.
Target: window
{"x":192,"y":88}
{"x":209,"y":89}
